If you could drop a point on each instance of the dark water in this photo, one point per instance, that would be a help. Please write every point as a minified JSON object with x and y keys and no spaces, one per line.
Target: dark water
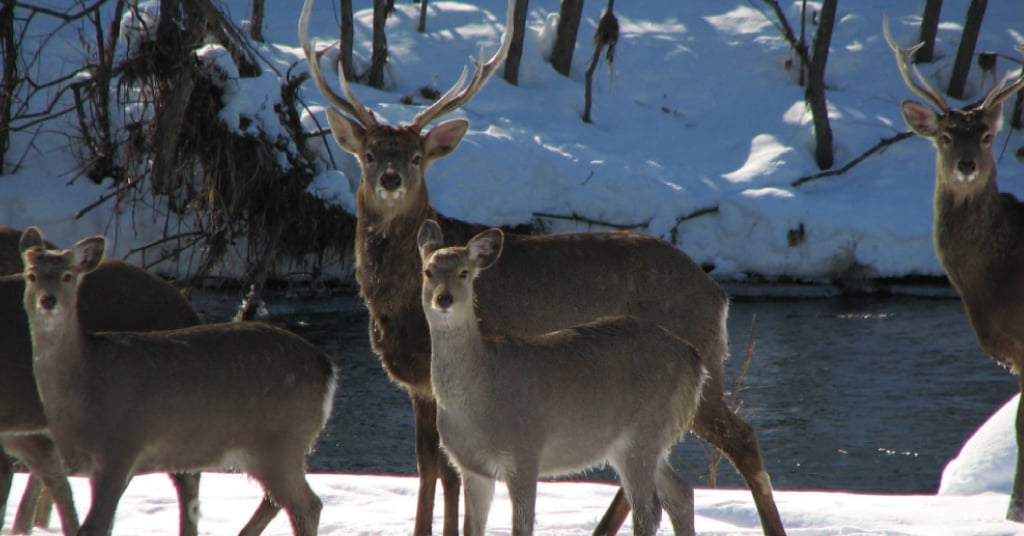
{"x":858,"y":394}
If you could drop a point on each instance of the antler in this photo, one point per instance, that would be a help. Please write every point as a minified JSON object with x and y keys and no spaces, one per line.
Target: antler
{"x":348,"y":104}
{"x":457,"y":96}
{"x":903,"y":55}
{"x":998,"y":94}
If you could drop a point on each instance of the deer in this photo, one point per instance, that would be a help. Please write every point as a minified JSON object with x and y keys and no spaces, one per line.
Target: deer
{"x":584,"y":276}
{"x":110,"y":301}
{"x":245,"y":396}
{"x":978,"y":232}
{"x":616,"y":390}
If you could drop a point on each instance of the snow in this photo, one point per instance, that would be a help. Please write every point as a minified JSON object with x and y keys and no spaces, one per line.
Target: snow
{"x":698,"y":112}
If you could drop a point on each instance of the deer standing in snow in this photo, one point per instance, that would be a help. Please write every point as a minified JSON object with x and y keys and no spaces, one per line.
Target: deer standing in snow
{"x":978,"y":231}
{"x":616,"y":390}
{"x":542,"y":284}
{"x":116,"y":296}
{"x":240,"y":395}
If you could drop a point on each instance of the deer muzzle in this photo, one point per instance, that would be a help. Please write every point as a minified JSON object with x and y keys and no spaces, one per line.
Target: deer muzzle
{"x":48,"y":302}
{"x":390,"y":181}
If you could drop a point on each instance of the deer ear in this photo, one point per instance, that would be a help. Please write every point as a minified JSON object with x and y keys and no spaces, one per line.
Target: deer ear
{"x":444,"y":138}
{"x":88,"y":253}
{"x":429,"y":239}
{"x":350,"y":135}
{"x":920,"y":118}
{"x":31,"y":238}
{"x":485,"y":248}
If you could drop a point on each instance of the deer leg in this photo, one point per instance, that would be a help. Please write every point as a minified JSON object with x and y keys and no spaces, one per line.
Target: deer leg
{"x":428,"y":464}
{"x":479,"y":494}
{"x":718,"y":425}
{"x":108,"y":483}
{"x":676,"y":497}
{"x":41,"y":456}
{"x":44,"y":507}
{"x":522,"y":489}
{"x":451,"y":483}
{"x":1015,"y":512}
{"x":26,"y":514}
{"x":6,"y":479}
{"x":187,"y":487}
{"x":262,"y":517}
{"x":636,"y":471}
{"x":614,"y":517}
{"x":285,"y":484}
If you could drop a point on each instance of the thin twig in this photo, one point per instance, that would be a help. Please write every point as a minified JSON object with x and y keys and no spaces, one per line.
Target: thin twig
{"x":589,"y":221}
{"x":882,"y":144}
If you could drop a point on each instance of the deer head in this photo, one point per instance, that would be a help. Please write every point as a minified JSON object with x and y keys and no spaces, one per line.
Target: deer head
{"x":394,"y":159}
{"x":962,"y":138}
{"x":448,"y":273}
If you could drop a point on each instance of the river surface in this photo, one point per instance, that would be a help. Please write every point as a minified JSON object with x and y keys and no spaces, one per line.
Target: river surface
{"x":859,"y":394}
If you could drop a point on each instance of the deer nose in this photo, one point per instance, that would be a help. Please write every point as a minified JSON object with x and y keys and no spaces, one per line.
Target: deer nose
{"x":390,"y":181}
{"x":48,"y":302}
{"x":966,"y":166}
{"x":444,"y":300}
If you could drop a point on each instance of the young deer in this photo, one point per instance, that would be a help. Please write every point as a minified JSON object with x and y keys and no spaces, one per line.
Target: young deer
{"x":978,"y":231}
{"x":110,"y":301}
{"x":582,"y":277}
{"x":617,"y":390}
{"x":240,"y":395}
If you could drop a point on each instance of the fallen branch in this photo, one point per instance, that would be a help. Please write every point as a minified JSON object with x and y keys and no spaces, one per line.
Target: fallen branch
{"x":695,"y":214}
{"x":882,"y":144}
{"x":578,"y":218}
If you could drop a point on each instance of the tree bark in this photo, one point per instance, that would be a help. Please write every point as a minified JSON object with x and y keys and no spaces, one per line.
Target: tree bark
{"x":9,"y":47}
{"x":929,"y":28}
{"x":380,"y":44}
{"x":569,"y":16}
{"x":256,"y":21}
{"x":347,"y":39}
{"x":422,"y":26}
{"x":815,"y":93}
{"x":965,"y":52}
{"x":515,"y":50}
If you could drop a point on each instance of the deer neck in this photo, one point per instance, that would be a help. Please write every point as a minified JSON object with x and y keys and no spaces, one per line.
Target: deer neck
{"x":457,"y":354}
{"x":57,"y":341}
{"x":969,"y":227}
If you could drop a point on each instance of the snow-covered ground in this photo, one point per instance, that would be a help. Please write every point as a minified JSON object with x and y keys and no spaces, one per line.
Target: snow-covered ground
{"x":972,"y":503}
{"x":699,"y":113}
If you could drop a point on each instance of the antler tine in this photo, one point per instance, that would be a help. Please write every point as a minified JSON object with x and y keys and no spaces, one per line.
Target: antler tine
{"x":903,"y":55}
{"x":457,"y":96}
{"x":348,"y":104}
{"x":998,"y":94}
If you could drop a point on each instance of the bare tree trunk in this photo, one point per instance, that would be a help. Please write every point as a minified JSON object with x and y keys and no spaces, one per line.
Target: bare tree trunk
{"x":515,"y":50}
{"x":256,"y":21}
{"x":10,"y":83}
{"x":569,"y":16}
{"x":380,"y":44}
{"x":607,"y":35}
{"x":965,"y":52}
{"x":347,"y":39}
{"x":815,"y":93}
{"x":929,"y":27}
{"x":422,"y":27}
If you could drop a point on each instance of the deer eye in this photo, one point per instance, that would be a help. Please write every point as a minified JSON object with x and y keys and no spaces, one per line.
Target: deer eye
{"x":464,"y":274}
{"x":428,"y":274}
{"x":368,"y":157}
{"x":66,"y":278}
{"x":987,"y":138}
{"x":416,"y":160}
{"x":946,"y":139}
{"x":31,"y":277}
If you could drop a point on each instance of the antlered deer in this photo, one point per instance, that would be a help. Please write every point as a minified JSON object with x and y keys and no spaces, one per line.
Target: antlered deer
{"x":543,"y":283}
{"x":516,"y":408}
{"x":239,"y":395}
{"x":978,"y":231}
{"x":116,"y":296}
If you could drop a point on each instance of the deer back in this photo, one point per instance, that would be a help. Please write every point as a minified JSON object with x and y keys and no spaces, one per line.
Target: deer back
{"x":116,"y":296}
